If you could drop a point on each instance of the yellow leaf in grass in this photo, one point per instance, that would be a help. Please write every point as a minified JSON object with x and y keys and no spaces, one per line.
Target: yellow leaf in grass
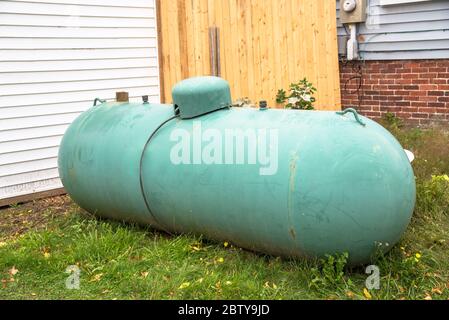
{"x":184,"y":285}
{"x":367,"y":294}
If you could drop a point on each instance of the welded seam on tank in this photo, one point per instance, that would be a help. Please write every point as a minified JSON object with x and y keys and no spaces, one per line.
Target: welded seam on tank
{"x":142,"y":188}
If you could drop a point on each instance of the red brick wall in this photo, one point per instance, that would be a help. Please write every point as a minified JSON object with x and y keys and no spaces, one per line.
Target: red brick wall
{"x":414,"y":90}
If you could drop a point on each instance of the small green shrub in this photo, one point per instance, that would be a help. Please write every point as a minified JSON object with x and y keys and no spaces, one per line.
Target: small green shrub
{"x":300,"y":96}
{"x":331,"y":271}
{"x":392,"y":121}
{"x":433,"y":194}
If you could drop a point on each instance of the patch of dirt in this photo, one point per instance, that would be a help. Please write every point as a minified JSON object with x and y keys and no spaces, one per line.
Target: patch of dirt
{"x":35,"y":215}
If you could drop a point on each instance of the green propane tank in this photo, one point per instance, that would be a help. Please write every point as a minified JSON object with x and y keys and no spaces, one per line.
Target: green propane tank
{"x":282,"y":182}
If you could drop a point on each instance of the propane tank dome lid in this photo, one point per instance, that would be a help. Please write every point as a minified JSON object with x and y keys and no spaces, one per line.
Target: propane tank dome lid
{"x":201,"y":95}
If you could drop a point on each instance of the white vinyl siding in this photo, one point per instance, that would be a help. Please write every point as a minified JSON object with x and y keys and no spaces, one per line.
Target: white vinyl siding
{"x":395,"y":2}
{"x":405,"y":30}
{"x":56,"y":56}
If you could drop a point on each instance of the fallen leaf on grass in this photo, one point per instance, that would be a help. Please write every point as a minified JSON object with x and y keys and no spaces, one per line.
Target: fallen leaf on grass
{"x":367,"y":294}
{"x":184,"y":285}
{"x":144,"y":274}
{"x":350,"y":294}
{"x":437,"y":291}
{"x":220,"y":260}
{"x":427,"y":297}
{"x":195,"y":248}
{"x":13,"y":271}
{"x":96,"y":277}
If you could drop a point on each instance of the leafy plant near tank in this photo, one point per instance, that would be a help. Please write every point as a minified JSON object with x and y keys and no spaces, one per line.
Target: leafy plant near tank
{"x":300,"y":96}
{"x":393,"y":121}
{"x":433,"y":191}
{"x":330,"y":272}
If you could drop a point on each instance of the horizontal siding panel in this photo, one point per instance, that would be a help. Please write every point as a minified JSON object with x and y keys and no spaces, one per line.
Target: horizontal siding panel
{"x":406,"y":46}
{"x":103,"y":3}
{"x":70,"y":32}
{"x":402,"y":28}
{"x":404,"y":6}
{"x":407,"y":27}
{"x":41,"y":43}
{"x":409,"y":17}
{"x":407,"y":55}
{"x":69,"y":65}
{"x":36,"y":121}
{"x":64,"y":97}
{"x":13,"y":136}
{"x":27,"y":177}
{"x":83,"y":75}
{"x":404,"y":37}
{"x":7,"y":6}
{"x":30,"y":144}
{"x":74,"y":86}
{"x":75,"y":54}
{"x":417,"y":7}
{"x":28,"y":155}
{"x":414,"y":17}
{"x":41,"y":110}
{"x":56,"y":56}
{"x":31,"y":186}
{"x":8,"y":19}
{"x":21,"y":166}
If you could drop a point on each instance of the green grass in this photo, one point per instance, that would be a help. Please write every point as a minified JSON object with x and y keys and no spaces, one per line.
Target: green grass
{"x":38,"y":241}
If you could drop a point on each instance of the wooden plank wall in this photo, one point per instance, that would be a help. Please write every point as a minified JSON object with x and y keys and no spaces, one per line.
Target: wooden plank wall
{"x":264,"y":44}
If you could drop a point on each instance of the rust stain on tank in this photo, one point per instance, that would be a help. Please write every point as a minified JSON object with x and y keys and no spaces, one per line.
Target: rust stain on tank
{"x":292,"y":233}
{"x":291,"y":192}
